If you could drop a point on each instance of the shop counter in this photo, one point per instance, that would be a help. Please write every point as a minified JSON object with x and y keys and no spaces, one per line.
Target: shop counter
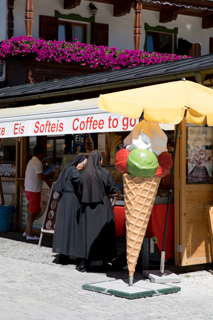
{"x":120,"y":228}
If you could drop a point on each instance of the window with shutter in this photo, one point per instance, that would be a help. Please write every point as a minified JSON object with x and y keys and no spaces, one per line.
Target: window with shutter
{"x":59,"y":28}
{"x":160,"y":42}
{"x":160,"y":39}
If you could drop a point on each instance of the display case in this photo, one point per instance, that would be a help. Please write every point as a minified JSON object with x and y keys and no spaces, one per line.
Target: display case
{"x":8,"y":169}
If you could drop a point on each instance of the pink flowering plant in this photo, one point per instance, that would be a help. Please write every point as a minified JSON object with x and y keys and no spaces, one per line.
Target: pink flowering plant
{"x":84,"y":54}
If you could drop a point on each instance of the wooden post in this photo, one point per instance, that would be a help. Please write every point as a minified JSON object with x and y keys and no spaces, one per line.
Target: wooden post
{"x":29,"y":18}
{"x":177,"y":203}
{"x":10,"y":18}
{"x":182,"y":188}
{"x":137,"y":24}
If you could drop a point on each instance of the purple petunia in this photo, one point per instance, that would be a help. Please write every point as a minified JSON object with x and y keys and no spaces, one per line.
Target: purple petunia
{"x":84,"y":54}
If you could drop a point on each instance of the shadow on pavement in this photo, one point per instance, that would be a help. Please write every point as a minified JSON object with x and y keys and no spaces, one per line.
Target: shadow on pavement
{"x":118,"y":264}
{"x":17,"y":236}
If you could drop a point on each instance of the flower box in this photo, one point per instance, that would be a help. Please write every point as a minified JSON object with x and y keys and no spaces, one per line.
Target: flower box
{"x":28,"y":70}
{"x":31,"y":60}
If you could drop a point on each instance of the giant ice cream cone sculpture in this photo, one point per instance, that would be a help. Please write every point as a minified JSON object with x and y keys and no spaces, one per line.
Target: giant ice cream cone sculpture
{"x":143,"y":163}
{"x":139,"y":196}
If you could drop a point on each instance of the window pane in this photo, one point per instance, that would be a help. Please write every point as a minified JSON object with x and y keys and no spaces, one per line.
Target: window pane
{"x":61,"y":32}
{"x":60,"y":145}
{"x":165,"y":43}
{"x":50,"y":148}
{"x":77,"y":33}
{"x":7,"y":157}
{"x":7,"y":150}
{"x":150,"y":43}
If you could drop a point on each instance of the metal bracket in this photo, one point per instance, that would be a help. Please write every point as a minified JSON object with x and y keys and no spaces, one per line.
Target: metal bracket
{"x":151,"y":245}
{"x":199,"y":77}
{"x":179,"y":248}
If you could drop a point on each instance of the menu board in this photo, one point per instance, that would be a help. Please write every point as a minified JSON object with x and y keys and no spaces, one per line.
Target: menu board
{"x":101,"y":142}
{"x":199,"y":154}
{"x":50,"y":213}
{"x":7,"y":170}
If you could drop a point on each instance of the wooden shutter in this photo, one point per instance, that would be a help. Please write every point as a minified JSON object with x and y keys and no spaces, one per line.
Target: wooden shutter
{"x":100,"y":36}
{"x":48,"y":28}
{"x":195,"y":50}
{"x":183,"y":46}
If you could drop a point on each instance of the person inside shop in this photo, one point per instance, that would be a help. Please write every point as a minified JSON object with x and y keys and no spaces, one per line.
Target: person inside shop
{"x":96,"y":220}
{"x":33,"y":184}
{"x":68,"y":187}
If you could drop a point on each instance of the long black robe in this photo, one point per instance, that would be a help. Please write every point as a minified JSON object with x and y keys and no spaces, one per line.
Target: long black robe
{"x":97,"y":225}
{"x":66,"y":227}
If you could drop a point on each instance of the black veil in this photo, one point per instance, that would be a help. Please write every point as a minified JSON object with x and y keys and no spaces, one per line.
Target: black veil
{"x":64,"y":173}
{"x":93,"y":188}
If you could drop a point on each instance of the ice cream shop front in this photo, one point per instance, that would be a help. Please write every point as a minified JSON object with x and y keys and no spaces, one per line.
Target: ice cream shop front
{"x":79,"y":126}
{"x":69,"y":128}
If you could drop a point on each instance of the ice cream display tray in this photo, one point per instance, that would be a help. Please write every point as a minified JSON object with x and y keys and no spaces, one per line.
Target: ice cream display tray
{"x":140,"y":289}
{"x":119,"y":203}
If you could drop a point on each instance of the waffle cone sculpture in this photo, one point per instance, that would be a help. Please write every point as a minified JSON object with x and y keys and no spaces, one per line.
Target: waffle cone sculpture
{"x":139,"y":196}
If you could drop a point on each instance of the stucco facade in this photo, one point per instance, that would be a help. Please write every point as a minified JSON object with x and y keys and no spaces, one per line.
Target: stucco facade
{"x":3,"y":20}
{"x":120,"y":28}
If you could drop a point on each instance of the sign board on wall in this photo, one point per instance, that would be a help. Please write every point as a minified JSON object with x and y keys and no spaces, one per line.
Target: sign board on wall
{"x":104,"y":122}
{"x":199,"y":150}
{"x":101,"y":142}
{"x":81,"y":142}
{"x":7,"y":170}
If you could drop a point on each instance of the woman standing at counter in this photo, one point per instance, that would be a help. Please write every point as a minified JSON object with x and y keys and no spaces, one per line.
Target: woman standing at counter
{"x":96,"y":220}
{"x":66,"y":228}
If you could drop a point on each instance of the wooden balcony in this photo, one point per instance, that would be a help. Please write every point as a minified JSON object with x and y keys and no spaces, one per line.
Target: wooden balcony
{"x":20,"y":70}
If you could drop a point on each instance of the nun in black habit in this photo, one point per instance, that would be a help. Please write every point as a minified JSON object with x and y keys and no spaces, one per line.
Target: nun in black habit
{"x":96,"y":220}
{"x":68,"y":186}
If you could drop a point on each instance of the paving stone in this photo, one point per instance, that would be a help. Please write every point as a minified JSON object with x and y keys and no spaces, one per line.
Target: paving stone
{"x":156,"y":277}
{"x":34,"y":288}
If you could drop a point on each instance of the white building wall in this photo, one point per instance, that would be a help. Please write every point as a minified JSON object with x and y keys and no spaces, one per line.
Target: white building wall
{"x":120,"y":28}
{"x":3,"y":19}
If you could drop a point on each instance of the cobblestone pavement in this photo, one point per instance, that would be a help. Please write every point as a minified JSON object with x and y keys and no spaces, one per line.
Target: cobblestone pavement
{"x":34,"y":288}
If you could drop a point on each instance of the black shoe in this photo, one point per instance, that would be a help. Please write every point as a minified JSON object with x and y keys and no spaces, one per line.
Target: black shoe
{"x":82,"y":265}
{"x":81,"y":268}
{"x":61,"y":259}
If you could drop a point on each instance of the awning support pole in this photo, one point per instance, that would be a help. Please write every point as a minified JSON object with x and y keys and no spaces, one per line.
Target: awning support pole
{"x":162,"y":261}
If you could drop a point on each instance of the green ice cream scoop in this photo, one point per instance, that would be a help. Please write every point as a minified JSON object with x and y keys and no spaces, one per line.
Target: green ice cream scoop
{"x":142,"y":163}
